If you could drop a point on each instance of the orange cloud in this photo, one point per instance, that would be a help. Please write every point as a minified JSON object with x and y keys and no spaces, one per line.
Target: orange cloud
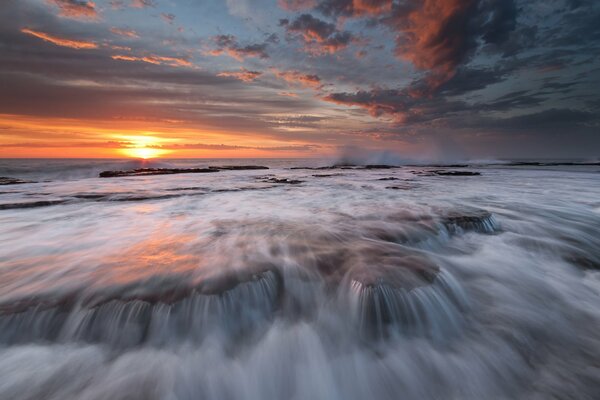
{"x":433,"y":36}
{"x":25,"y":136}
{"x":299,"y":78}
{"x":125,"y":32}
{"x":288,"y":94}
{"x":372,"y":6}
{"x":227,"y":44}
{"x":243,"y":74}
{"x":142,"y":3}
{"x":296,"y":5}
{"x":319,"y":37}
{"x":74,"y":44}
{"x":75,"y":9}
{"x":156,"y":60}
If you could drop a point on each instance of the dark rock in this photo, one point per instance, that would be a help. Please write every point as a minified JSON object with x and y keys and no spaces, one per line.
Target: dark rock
{"x":548,"y":164}
{"x":283,"y":180}
{"x":449,"y":166}
{"x":389,"y":178}
{"x":455,"y":173}
{"x":379,"y":166}
{"x":31,"y":204}
{"x":400,"y":187}
{"x":480,"y":221}
{"x":12,"y":181}
{"x":171,"y":171}
{"x":155,"y":171}
{"x":395,"y":290}
{"x":91,"y":196}
{"x":315,"y":168}
{"x":238,"y":304}
{"x":240,"y":167}
{"x":325,"y":175}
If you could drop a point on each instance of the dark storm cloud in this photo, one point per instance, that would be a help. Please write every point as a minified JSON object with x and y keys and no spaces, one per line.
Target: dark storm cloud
{"x":318,"y":36}
{"x":440,"y":35}
{"x":354,"y":7}
{"x":551,"y":120}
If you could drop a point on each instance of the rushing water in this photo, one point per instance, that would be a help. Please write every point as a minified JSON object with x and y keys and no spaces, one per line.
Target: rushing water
{"x":351,"y":284}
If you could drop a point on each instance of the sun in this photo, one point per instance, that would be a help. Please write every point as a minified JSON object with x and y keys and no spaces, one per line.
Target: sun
{"x":143,"y":146}
{"x":143,"y":152}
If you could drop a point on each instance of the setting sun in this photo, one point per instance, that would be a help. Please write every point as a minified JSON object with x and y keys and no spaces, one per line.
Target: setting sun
{"x":143,"y":152}
{"x":141,"y":146}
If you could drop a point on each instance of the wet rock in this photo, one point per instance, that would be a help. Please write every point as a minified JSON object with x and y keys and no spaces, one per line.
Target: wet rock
{"x":240,"y":167}
{"x":549,"y":164}
{"x":191,"y":188}
{"x":283,"y":181}
{"x":455,"y":173}
{"x":379,"y":166}
{"x":155,"y":171}
{"x":381,"y":310}
{"x":31,"y":204}
{"x":475,"y":220}
{"x":397,"y":291}
{"x":443,"y":165}
{"x":171,"y":171}
{"x":350,"y":166}
{"x":401,"y":187}
{"x":236,"y":304}
{"x":12,"y":181}
{"x":313,"y":168}
{"x":91,"y":196}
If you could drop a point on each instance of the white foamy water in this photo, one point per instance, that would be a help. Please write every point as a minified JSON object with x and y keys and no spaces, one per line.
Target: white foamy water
{"x":350,"y":284}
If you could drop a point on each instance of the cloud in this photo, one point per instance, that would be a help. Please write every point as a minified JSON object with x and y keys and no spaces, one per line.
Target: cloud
{"x":60,"y":41}
{"x":319,"y":37}
{"x":354,"y":8}
{"x":298,"y":78}
{"x":156,"y":60}
{"x":440,"y":35}
{"x":168,"y":18}
{"x":142,"y":3}
{"x":130,"y":33}
{"x":117,"y":4}
{"x":227,"y":44}
{"x":296,"y":5}
{"x":378,"y":101}
{"x":207,"y":146}
{"x":555,"y":120}
{"x":113,"y":144}
{"x":76,"y":9}
{"x":243,"y":75}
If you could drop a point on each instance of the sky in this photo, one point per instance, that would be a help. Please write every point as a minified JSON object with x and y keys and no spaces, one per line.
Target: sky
{"x":423,"y":79}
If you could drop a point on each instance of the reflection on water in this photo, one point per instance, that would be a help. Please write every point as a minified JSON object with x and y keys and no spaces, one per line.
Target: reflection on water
{"x":338,"y":287}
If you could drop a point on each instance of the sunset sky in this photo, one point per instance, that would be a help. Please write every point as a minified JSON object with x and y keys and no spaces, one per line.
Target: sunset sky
{"x":299,"y":78}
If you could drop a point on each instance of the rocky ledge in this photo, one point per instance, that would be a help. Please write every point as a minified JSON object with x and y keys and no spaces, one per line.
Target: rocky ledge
{"x":12,"y":181}
{"x":171,"y":171}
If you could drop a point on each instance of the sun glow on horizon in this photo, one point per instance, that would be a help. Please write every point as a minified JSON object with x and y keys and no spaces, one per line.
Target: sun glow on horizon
{"x":143,"y":152}
{"x":144,"y":147}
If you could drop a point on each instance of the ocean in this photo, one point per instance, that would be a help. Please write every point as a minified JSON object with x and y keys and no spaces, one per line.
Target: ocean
{"x":300,"y":281}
